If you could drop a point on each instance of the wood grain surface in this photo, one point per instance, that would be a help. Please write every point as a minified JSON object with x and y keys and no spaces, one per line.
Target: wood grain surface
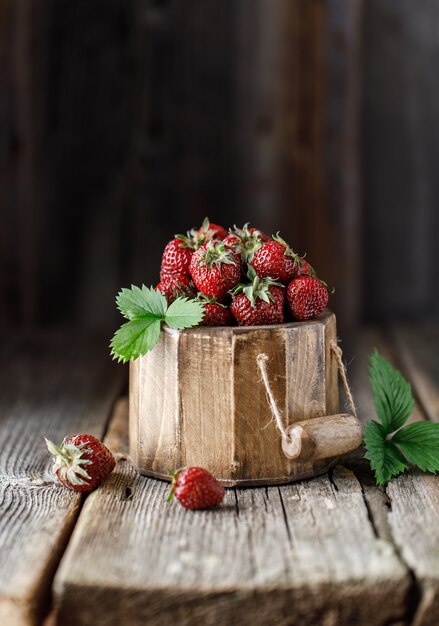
{"x":287,"y":555}
{"x":334,"y":550}
{"x":52,"y":387}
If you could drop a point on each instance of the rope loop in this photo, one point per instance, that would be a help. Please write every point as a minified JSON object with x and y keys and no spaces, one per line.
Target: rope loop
{"x":262,"y":361}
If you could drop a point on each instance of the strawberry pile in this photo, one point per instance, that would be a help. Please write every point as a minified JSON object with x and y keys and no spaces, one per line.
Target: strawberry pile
{"x":242,"y":277}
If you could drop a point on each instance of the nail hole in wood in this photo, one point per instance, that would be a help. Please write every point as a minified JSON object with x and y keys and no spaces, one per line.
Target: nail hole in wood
{"x":128,"y":493}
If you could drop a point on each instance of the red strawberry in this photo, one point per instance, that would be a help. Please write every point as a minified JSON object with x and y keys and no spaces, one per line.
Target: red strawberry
{"x":215,"y":268}
{"x":81,"y":462}
{"x":246,"y":240}
{"x":215,"y":314}
{"x":262,"y":302}
{"x":177,"y":256}
{"x":196,"y":488}
{"x":173,"y":286}
{"x":305,"y":269}
{"x":208,"y":231}
{"x":275,"y":259}
{"x":307,"y":297}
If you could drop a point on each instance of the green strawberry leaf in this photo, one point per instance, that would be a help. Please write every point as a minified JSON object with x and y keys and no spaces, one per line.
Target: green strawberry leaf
{"x":135,"y":338}
{"x":135,"y":302}
{"x":392,"y":394}
{"x":146,"y":309}
{"x":184,"y":313}
{"x":154,"y":300}
{"x":420,"y":444}
{"x":385,"y":458}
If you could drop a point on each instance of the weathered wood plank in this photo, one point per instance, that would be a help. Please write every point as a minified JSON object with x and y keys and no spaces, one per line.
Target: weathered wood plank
{"x":399,"y":155}
{"x":52,"y":386}
{"x":406,"y":510}
{"x":301,"y":554}
{"x":415,"y":499}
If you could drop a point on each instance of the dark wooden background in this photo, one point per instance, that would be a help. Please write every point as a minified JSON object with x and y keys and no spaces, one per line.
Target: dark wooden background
{"x":124,"y":121}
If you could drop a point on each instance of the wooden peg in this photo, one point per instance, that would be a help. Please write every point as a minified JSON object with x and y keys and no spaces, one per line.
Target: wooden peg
{"x":322,"y":437}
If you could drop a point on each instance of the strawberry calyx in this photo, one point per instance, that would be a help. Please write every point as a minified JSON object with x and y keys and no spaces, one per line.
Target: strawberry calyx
{"x":201,"y":297}
{"x":288,"y":250}
{"x":205,"y":232}
{"x":195,"y":237}
{"x":258,"y":287}
{"x":249,"y":241}
{"x":188,"y":240}
{"x":174,"y":476}
{"x":215,"y":254}
{"x":69,"y":462}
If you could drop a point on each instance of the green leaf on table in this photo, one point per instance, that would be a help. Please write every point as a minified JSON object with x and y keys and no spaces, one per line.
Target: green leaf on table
{"x":392,"y":394}
{"x":385,"y":458}
{"x":147,"y":309}
{"x":184,"y":313}
{"x":419,"y":442}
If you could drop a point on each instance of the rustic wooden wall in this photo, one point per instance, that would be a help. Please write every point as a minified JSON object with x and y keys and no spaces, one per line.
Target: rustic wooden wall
{"x":129,"y":120}
{"x":401,"y":158}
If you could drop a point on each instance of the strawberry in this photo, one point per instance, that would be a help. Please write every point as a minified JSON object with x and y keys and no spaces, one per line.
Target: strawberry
{"x":276,"y":260}
{"x":246,"y":240}
{"x":304,"y":268}
{"x":196,"y":488}
{"x":307,"y":297}
{"x":261,"y":302}
{"x":215,"y":268}
{"x":173,"y":286}
{"x":215,"y":314}
{"x":177,"y":256}
{"x":208,"y":231}
{"x":81,"y":462}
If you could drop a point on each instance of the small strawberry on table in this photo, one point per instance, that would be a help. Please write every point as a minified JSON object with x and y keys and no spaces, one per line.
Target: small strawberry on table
{"x":195,"y":488}
{"x":81,"y":462}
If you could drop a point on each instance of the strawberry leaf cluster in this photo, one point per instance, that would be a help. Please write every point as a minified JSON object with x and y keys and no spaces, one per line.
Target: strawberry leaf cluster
{"x":147,"y":309}
{"x":391,"y":447}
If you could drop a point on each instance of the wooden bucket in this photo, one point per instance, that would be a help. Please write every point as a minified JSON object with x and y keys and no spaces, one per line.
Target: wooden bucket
{"x":198,"y":398}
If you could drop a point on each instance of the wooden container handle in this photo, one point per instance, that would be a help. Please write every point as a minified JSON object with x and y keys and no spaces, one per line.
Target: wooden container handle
{"x":322,"y":437}
{"x":319,"y":437}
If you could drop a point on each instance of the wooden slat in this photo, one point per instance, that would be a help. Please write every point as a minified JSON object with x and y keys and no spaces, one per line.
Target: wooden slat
{"x":406,"y":510}
{"x":415,"y":499}
{"x":52,"y":386}
{"x":300,"y":554}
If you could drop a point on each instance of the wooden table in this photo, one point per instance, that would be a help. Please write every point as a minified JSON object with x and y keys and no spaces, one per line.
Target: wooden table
{"x":335,"y":550}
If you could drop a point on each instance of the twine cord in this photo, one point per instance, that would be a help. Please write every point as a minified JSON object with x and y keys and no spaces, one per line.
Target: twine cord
{"x":262,"y":360}
{"x":338,"y":354}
